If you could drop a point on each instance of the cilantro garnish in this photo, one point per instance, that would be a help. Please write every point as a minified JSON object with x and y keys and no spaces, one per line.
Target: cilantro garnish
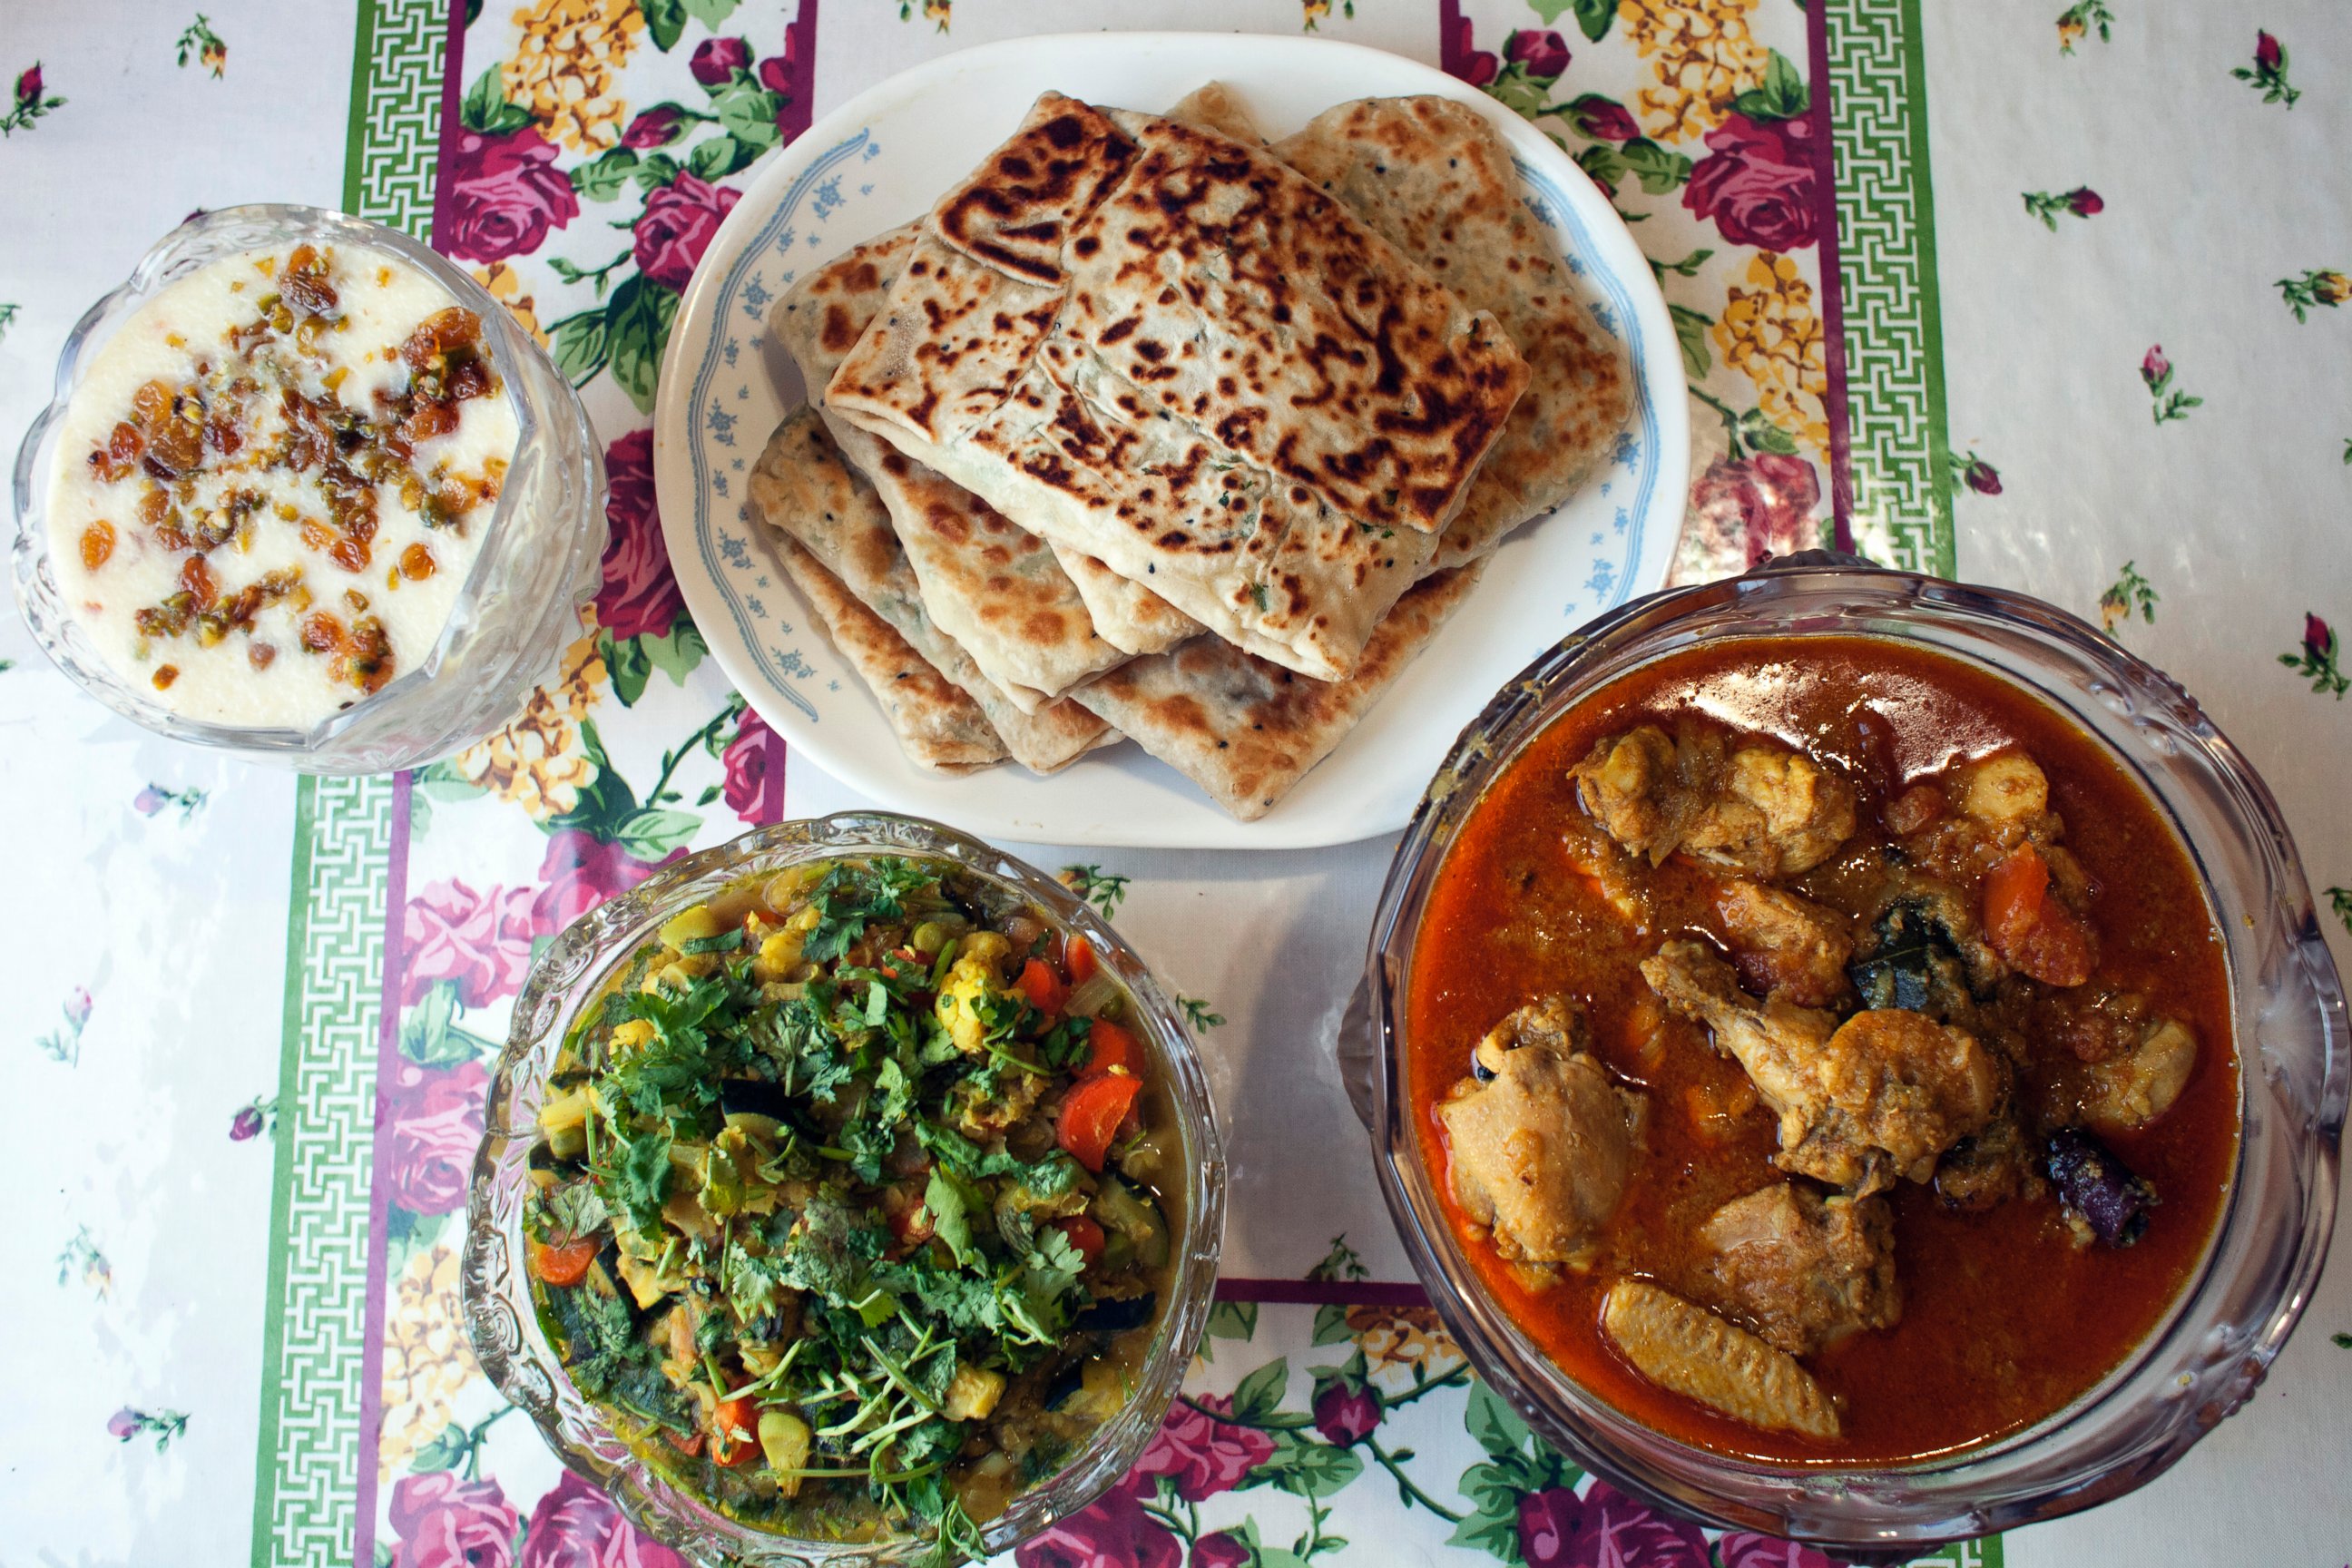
{"x":826,"y":1200}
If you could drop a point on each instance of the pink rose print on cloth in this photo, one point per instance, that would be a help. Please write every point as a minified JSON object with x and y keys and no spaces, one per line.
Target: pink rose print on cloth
{"x":581,"y":871}
{"x":1743,"y":1549}
{"x":1604,"y":1529}
{"x":1114,"y":1533}
{"x":1347,"y":1416}
{"x":639,"y":596}
{"x":504,"y":193}
{"x":1603,"y":119}
{"x":747,"y":767}
{"x":1543,"y":52}
{"x":1757,"y":182}
{"x":675,"y":229}
{"x":656,"y":127}
{"x":481,"y":941}
{"x":576,"y":1526}
{"x":1219,"y":1548}
{"x":446,"y":1523}
{"x":716,"y":61}
{"x":435,"y":1114}
{"x":1204,"y":1455}
{"x":1767,"y":502}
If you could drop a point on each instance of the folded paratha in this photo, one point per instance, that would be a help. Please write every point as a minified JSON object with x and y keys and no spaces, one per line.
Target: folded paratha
{"x":802,"y":489}
{"x":1246,"y":730}
{"x":997,"y":589}
{"x":939,"y":726}
{"x":1159,"y":345}
{"x":817,"y":321}
{"x":1435,"y":179}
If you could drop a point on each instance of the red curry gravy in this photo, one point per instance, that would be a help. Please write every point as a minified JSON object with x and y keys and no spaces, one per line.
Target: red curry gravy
{"x":2006,"y":1318}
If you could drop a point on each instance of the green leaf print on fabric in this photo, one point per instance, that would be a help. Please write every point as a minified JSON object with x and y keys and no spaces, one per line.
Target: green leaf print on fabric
{"x":1782,"y":97}
{"x":8,"y":320}
{"x":1517,"y":1466}
{"x":198,"y":42}
{"x":2129,"y":591}
{"x":2315,"y":660}
{"x":1332,"y":1325}
{"x":2320,"y":287}
{"x":2340,"y":900}
{"x":485,"y":106}
{"x":637,"y":326}
{"x":1312,"y":12}
{"x":931,"y":10}
{"x":1340,"y":1263}
{"x":2267,"y":74}
{"x":1198,"y":1013}
{"x":81,"y":1259}
{"x":2170,"y":403}
{"x":164,"y":1425}
{"x":1593,"y":16}
{"x":665,"y":22}
{"x":1227,"y":1320}
{"x":1102,"y":889}
{"x":632,"y":661}
{"x":1690,"y":332}
{"x":28,"y":101}
{"x":2080,"y":202}
{"x":64,"y":1045}
{"x":2075,"y":20}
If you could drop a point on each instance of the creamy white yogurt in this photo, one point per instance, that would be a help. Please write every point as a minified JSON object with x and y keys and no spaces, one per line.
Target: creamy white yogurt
{"x":278,"y":524}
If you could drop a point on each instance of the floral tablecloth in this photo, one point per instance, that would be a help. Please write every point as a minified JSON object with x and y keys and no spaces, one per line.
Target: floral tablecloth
{"x":2039,"y":294}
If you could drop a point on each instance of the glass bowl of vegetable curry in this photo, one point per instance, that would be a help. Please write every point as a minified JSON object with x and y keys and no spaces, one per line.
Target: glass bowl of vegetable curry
{"x":1853,"y":1056}
{"x":851,"y":1194}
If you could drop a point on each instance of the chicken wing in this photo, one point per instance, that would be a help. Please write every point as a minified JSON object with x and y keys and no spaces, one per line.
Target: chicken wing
{"x":1760,"y":809}
{"x":1542,"y":1148}
{"x":1860,"y":1103}
{"x":1803,"y":1271}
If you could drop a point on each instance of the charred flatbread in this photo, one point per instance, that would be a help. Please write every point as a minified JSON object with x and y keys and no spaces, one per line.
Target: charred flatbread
{"x":1246,"y":729}
{"x":1435,"y":179}
{"x":939,"y":726}
{"x":1159,"y":345}
{"x":802,"y":489}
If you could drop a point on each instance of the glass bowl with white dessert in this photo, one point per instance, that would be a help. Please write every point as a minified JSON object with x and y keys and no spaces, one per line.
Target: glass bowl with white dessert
{"x":306,"y":494}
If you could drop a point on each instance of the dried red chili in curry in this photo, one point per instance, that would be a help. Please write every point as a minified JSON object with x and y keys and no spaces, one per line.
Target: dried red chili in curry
{"x":2007,"y":1304}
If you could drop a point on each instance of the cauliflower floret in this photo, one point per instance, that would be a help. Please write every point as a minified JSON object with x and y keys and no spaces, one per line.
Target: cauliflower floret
{"x":971,"y":983}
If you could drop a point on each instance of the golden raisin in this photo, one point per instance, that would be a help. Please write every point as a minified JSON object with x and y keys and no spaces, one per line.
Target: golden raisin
{"x":197,"y":579}
{"x":321,"y":633}
{"x":416,"y":564}
{"x":261,"y":653}
{"x":349,"y":552}
{"x":115,"y":460}
{"x":165,"y":675}
{"x":96,"y":545}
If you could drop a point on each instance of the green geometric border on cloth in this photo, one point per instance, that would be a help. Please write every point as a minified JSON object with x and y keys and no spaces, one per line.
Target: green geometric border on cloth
{"x":305,"y":1504}
{"x":1900,"y":455}
{"x":316,"y":1307}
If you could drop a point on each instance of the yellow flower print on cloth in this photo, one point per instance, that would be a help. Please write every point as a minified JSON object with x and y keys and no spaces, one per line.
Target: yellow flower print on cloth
{"x":1407,"y":1337}
{"x":1770,"y":333}
{"x":566,"y":65}
{"x":505,"y":285}
{"x":426,"y":1357}
{"x":534,"y":761}
{"x":1702,"y":55}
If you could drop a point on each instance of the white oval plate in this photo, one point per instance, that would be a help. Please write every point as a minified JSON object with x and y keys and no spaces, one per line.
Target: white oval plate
{"x":881,"y":160}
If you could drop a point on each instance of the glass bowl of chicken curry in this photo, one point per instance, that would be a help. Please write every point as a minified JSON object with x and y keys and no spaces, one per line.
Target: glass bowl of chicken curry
{"x":1853,"y":1056}
{"x":850,"y":1195}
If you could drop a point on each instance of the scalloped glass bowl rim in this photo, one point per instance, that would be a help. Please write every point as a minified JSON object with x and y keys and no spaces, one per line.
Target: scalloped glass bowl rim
{"x":2077,"y":1457}
{"x":267,"y":224}
{"x":574,"y":967}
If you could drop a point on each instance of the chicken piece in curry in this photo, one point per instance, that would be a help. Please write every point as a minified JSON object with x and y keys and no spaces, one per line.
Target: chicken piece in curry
{"x":1825,"y":1047}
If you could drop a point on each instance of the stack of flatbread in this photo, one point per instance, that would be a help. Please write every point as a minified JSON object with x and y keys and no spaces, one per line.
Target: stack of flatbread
{"x":1149,"y":429}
